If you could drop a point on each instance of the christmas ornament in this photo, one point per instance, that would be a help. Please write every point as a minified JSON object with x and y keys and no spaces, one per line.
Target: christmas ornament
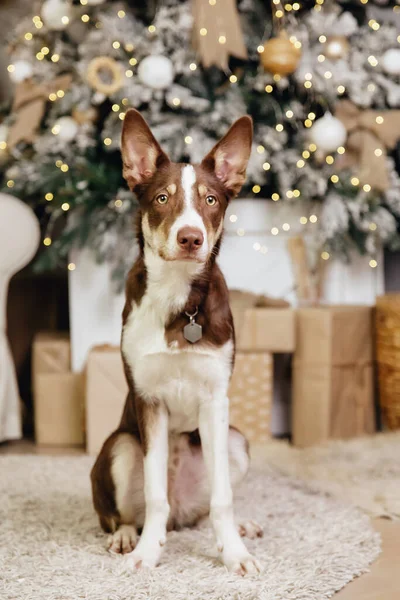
{"x":391,"y":61}
{"x":336,"y":46}
{"x":66,"y":128}
{"x":328,"y":133}
{"x":280,"y":56}
{"x":22,"y":70}
{"x":156,"y":71}
{"x":113,"y":68}
{"x":29,"y":106}
{"x":85,"y":116}
{"x":217,"y":32}
{"x":56,"y":14}
{"x":370,"y":134}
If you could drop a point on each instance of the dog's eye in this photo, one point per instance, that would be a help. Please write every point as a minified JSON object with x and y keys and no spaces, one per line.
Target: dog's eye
{"x":162,"y":199}
{"x":211,"y":200}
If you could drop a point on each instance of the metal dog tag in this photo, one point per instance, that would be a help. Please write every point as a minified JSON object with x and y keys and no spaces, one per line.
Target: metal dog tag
{"x":192,"y":332}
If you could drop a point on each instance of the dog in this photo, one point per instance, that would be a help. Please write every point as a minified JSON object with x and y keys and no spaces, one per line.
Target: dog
{"x":174,"y":459}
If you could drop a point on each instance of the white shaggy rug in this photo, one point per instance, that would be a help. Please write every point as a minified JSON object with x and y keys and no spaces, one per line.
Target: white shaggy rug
{"x":363,"y":471}
{"x":51,"y":546}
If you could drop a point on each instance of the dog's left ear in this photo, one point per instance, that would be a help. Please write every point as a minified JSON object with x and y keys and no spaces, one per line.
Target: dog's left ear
{"x":229,"y":157}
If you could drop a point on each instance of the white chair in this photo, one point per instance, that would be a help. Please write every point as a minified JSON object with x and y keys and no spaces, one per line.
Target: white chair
{"x":19,"y":239}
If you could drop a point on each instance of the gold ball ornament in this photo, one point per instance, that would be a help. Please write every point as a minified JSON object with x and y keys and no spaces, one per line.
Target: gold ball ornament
{"x":107,"y":65}
{"x":280,"y":56}
{"x":336,"y":46}
{"x":85,"y":116}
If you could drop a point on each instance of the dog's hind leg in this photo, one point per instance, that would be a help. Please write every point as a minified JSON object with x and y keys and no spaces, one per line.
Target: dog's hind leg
{"x":117,"y":486}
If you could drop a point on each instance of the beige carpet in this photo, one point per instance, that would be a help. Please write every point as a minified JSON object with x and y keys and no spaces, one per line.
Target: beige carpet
{"x":364,"y":471}
{"x":51,"y":547}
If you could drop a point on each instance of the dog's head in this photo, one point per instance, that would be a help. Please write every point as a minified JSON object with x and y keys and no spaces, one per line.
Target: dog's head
{"x":182,"y":205}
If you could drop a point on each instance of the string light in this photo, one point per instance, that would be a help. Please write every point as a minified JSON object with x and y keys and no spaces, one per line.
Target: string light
{"x":233,"y":218}
{"x":329,"y":159}
{"x":71,"y":267}
{"x":354,"y":181}
{"x":379,"y":120}
{"x":38,"y":24}
{"x":303,"y":220}
{"x":372,"y":61}
{"x":372,"y":226}
{"x":334,"y":179}
{"x":296,"y":6}
{"x":312,"y":147}
{"x":55,"y":130}
{"x":279,"y":127}
{"x":341,"y":89}
{"x":176,"y":101}
{"x":260,"y":49}
{"x":274,"y":231}
{"x":327,"y":75}
{"x":65,"y":206}
{"x":55,"y":58}
{"x":288,"y":7}
{"x":240,"y":232}
{"x":11,"y":68}
{"x":313,"y":218}
{"x":341,"y":150}
{"x":28,"y":36}
{"x":308,"y":76}
{"x":10,"y":183}
{"x":3,"y":145}
{"x":308,"y":122}
{"x":276,"y":77}
{"x":311,"y":116}
{"x":121,"y":116}
{"x":300,"y":164}
{"x":115,"y":107}
{"x":125,"y":101}
{"x":59,"y":163}
{"x":322,"y":39}
{"x":222,"y":39}
{"x":373,"y":263}
{"x":256,"y":189}
{"x":49,"y":196}
{"x":279,"y":14}
{"x":53,"y":97}
{"x":305,"y":154}
{"x":192,"y":66}
{"x":118,"y":203}
{"x":307,"y":84}
{"x":366,"y":187}
{"x":289,"y":194}
{"x":83,"y":2}
{"x":47,"y":241}
{"x":260,"y":149}
{"x":107,"y":141}
{"x":268,"y":88}
{"x":371,"y":87}
{"x":266,"y":166}
{"x":40,"y":56}
{"x":296,"y":193}
{"x":129,"y":73}
{"x":152,"y":29}
{"x":129,"y":47}
{"x":233,"y":79}
{"x":188,"y":139}
{"x":133,"y":61}
{"x":256,"y":246}
{"x":321,"y":58}
{"x":378,"y":152}
{"x":64,"y":20}
{"x":60,"y":93}
{"x":121,"y":14}
{"x":212,"y":2}
{"x":325,"y":255}
{"x":289,"y":114}
{"x":203,"y":31}
{"x":275,"y":197}
{"x":116,"y":45}
{"x":286,"y":227}
{"x":64,"y":168}
{"x":85,"y":18}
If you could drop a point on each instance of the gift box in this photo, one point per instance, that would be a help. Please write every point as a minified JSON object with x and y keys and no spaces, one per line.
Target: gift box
{"x":333,"y":375}
{"x":106,"y":391}
{"x":58,"y":394}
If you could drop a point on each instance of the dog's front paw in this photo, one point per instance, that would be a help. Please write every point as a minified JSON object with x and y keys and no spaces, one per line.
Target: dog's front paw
{"x":240,"y":561}
{"x":145,"y":556}
{"x":250,"y":529}
{"x":123,"y":540}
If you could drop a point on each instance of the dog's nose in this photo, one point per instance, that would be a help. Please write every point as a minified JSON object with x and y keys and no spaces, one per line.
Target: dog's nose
{"x":190,"y":238}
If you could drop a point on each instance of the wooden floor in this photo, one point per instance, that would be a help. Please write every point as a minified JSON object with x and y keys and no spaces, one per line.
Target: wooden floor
{"x":381,"y":583}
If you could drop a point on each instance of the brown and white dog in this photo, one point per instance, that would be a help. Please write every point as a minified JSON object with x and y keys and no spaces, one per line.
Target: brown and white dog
{"x":174,"y":449}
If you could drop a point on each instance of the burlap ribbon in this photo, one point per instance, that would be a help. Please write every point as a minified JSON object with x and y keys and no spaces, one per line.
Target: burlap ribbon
{"x":29,"y":107}
{"x":370,"y":134}
{"x":217,"y":33}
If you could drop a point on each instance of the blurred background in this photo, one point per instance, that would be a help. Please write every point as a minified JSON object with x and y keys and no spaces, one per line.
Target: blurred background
{"x":311,"y":246}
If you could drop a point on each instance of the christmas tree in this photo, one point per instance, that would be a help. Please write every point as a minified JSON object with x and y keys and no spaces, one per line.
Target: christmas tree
{"x":321,"y":82}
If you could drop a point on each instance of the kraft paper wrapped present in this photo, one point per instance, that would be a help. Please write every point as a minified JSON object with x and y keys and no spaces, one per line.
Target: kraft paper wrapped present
{"x":333,"y":376}
{"x":106,"y":391}
{"x":58,"y":394}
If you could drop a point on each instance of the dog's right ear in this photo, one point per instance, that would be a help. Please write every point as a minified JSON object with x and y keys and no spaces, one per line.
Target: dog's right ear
{"x":141,"y":153}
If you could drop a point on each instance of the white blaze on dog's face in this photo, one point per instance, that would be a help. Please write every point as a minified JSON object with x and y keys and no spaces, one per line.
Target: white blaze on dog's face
{"x":183,"y":206}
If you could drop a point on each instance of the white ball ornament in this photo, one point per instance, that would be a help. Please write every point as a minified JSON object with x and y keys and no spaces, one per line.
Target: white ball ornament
{"x":391,"y":61}
{"x":156,"y":71}
{"x":66,"y":128}
{"x":56,"y":14}
{"x":328,"y":133}
{"x":22,"y":70}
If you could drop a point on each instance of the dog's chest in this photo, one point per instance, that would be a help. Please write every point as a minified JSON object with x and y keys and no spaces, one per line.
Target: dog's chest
{"x":181,"y":378}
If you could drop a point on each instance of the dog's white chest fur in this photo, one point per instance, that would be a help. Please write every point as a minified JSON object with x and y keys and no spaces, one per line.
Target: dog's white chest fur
{"x":181,"y":378}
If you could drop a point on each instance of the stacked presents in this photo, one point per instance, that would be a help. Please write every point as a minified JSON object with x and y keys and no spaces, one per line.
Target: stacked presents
{"x":332,"y":387}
